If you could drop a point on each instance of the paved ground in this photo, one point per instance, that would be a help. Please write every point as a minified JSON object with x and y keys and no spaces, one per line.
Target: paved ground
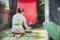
{"x":37,"y":34}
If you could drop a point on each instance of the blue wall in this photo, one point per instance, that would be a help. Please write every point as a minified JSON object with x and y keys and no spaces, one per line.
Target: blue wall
{"x":54,"y":14}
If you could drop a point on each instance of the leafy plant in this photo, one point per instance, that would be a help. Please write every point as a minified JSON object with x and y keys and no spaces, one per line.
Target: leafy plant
{"x":40,"y":11}
{"x":2,"y":6}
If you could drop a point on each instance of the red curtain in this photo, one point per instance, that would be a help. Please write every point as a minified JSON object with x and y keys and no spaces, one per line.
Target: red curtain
{"x":30,"y":10}
{"x":26,"y":1}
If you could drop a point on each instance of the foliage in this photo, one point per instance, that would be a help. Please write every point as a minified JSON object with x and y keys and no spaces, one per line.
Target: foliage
{"x":2,"y":6}
{"x":40,"y":11}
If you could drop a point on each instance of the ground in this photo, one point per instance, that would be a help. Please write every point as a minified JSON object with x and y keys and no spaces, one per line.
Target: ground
{"x":37,"y":34}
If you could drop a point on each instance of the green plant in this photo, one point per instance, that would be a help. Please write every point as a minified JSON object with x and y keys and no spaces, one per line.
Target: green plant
{"x":40,"y":11}
{"x":2,"y":6}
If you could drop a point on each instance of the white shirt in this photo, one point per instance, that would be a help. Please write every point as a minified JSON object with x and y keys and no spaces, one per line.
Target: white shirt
{"x":18,"y":18}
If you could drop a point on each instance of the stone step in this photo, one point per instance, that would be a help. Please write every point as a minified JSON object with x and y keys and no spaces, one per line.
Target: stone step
{"x":42,"y":35}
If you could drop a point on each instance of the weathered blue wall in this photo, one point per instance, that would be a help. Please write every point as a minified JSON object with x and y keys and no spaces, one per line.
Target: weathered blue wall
{"x":54,"y":14}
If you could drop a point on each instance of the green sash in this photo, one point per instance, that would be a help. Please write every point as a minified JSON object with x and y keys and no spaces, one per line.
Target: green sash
{"x":17,"y":24}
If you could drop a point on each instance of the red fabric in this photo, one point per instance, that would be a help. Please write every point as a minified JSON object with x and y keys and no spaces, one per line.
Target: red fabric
{"x":30,"y":10}
{"x":25,"y":1}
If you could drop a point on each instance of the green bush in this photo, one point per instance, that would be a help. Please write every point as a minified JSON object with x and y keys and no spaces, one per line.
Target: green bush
{"x":2,"y":6}
{"x":40,"y":11}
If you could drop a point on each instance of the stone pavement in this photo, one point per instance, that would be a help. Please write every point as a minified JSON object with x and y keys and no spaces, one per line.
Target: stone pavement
{"x":37,"y":34}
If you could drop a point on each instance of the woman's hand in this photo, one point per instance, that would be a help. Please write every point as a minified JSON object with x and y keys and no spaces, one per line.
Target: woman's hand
{"x":29,"y":28}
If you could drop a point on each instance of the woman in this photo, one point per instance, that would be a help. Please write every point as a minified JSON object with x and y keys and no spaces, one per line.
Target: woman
{"x":17,"y":21}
